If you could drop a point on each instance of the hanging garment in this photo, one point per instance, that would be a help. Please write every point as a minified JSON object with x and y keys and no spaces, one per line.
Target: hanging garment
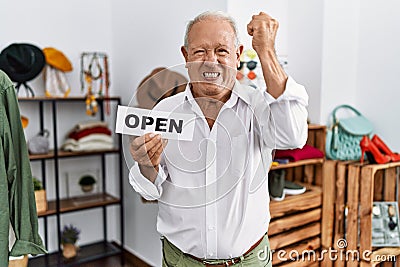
{"x":17,"y":198}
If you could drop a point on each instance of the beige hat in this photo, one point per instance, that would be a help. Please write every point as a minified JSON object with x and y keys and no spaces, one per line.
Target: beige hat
{"x":159,"y":84}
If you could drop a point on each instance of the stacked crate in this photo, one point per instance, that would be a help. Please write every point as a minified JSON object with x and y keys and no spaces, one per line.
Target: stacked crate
{"x":296,"y":222}
{"x":351,"y":190}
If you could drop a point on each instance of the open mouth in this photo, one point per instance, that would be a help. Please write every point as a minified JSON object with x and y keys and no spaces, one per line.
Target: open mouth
{"x":211,"y":74}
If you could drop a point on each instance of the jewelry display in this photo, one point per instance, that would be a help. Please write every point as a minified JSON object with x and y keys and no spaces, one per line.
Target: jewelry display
{"x":385,"y":229}
{"x":95,"y":80}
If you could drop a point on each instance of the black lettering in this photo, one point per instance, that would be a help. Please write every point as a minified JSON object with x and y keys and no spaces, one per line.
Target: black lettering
{"x":128,"y":118}
{"x":146,"y":121}
{"x":178,"y":128}
{"x":161,"y":122}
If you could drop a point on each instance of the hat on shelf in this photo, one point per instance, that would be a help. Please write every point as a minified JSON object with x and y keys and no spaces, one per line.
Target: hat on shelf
{"x":57,"y":59}
{"x":22,"y":62}
{"x":159,"y":84}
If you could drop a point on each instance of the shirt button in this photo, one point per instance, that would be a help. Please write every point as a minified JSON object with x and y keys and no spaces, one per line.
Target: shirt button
{"x":210,"y":254}
{"x":211,"y":227}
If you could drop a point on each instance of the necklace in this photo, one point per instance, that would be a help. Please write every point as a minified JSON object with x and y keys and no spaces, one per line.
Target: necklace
{"x":94,"y":73}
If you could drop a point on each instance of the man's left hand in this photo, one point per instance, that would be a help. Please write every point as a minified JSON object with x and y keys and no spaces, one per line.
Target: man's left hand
{"x":263,"y":29}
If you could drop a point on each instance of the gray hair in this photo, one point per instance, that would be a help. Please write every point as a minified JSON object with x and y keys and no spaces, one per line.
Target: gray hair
{"x":212,"y":15}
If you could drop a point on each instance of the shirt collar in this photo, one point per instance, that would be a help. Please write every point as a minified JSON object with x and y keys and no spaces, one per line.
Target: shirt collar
{"x":238,"y":92}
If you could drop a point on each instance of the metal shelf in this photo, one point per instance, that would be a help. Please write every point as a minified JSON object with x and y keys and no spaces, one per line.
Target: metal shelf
{"x":85,"y":254}
{"x":64,"y":99}
{"x":298,"y":163}
{"x":80,"y":203}
{"x":67,"y":154}
{"x":59,"y":205}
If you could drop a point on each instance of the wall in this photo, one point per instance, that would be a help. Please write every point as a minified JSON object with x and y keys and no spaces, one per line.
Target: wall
{"x":360,"y":62}
{"x":378,"y":90}
{"x":339,"y":55}
{"x":305,"y":29}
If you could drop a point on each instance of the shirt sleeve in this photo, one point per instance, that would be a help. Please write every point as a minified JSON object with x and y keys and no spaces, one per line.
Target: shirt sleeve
{"x":23,"y":215}
{"x":142,"y":185}
{"x":283,"y":120}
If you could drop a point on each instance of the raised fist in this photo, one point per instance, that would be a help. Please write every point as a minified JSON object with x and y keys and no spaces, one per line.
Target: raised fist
{"x":263,"y":29}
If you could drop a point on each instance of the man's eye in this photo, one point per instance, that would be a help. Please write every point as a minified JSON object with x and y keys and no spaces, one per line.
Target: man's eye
{"x":222,"y":51}
{"x":199,"y":52}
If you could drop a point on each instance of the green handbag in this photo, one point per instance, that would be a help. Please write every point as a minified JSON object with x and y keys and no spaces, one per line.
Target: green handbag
{"x":343,"y":138}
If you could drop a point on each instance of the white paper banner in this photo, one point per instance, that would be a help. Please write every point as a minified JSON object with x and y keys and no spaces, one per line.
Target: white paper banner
{"x":138,"y":121}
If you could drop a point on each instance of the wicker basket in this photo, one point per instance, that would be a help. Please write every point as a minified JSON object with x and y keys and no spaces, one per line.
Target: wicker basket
{"x":41,"y":201}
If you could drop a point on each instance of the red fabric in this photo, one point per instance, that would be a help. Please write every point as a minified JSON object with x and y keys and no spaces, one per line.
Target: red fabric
{"x":307,"y":152}
{"x":96,"y":130}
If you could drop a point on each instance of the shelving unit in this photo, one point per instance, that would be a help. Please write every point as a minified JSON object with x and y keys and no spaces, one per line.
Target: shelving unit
{"x":86,"y":254}
{"x":296,"y":222}
{"x":60,"y":206}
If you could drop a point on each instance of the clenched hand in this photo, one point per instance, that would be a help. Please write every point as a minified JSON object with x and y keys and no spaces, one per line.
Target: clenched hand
{"x":146,"y":151}
{"x":263,"y":29}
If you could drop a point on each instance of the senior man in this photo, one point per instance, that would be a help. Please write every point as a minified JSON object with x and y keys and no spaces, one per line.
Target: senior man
{"x":212,"y":191}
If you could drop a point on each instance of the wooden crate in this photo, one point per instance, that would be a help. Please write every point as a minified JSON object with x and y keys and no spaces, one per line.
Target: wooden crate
{"x":296,"y":222}
{"x":351,"y":190}
{"x":41,"y":200}
{"x":23,"y":262}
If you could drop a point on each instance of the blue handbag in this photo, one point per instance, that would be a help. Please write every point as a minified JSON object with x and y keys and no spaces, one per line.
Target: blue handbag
{"x":343,"y":138}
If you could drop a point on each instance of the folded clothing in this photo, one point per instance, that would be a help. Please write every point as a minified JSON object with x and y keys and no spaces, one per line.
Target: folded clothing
{"x":89,"y":136}
{"x":91,"y":142}
{"x":307,"y":152}
{"x":87,"y":146}
{"x":86,"y":132}
{"x":90,"y":124}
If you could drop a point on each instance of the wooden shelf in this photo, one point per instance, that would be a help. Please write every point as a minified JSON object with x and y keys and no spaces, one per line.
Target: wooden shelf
{"x":316,"y":127}
{"x":67,"y":154}
{"x":80,"y":203}
{"x":64,"y":99}
{"x":298,"y":163}
{"x":312,"y":198}
{"x":86,"y":254}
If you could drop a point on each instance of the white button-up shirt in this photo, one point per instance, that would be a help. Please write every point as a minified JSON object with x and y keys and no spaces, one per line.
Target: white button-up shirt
{"x":212,"y":191}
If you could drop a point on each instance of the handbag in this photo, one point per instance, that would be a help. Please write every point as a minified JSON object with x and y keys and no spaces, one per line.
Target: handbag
{"x":343,"y":138}
{"x":39,"y":144}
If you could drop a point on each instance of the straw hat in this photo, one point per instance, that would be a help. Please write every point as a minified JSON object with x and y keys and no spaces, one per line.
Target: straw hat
{"x":159,"y":84}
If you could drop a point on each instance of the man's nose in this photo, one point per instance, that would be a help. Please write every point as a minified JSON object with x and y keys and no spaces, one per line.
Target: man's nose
{"x":211,"y":57}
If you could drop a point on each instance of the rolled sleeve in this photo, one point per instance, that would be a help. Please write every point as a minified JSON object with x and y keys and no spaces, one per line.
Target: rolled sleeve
{"x":293,"y":91}
{"x":283,"y":121}
{"x":21,"y":247}
{"x":142,"y":185}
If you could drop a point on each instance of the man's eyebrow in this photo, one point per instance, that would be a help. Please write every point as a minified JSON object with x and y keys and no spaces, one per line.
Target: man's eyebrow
{"x":205,"y":46}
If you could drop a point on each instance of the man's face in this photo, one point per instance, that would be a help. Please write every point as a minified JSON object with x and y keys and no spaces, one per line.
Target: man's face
{"x":212,"y":57}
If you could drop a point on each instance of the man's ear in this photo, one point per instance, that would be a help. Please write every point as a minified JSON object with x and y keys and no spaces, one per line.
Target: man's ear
{"x":184,"y":53}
